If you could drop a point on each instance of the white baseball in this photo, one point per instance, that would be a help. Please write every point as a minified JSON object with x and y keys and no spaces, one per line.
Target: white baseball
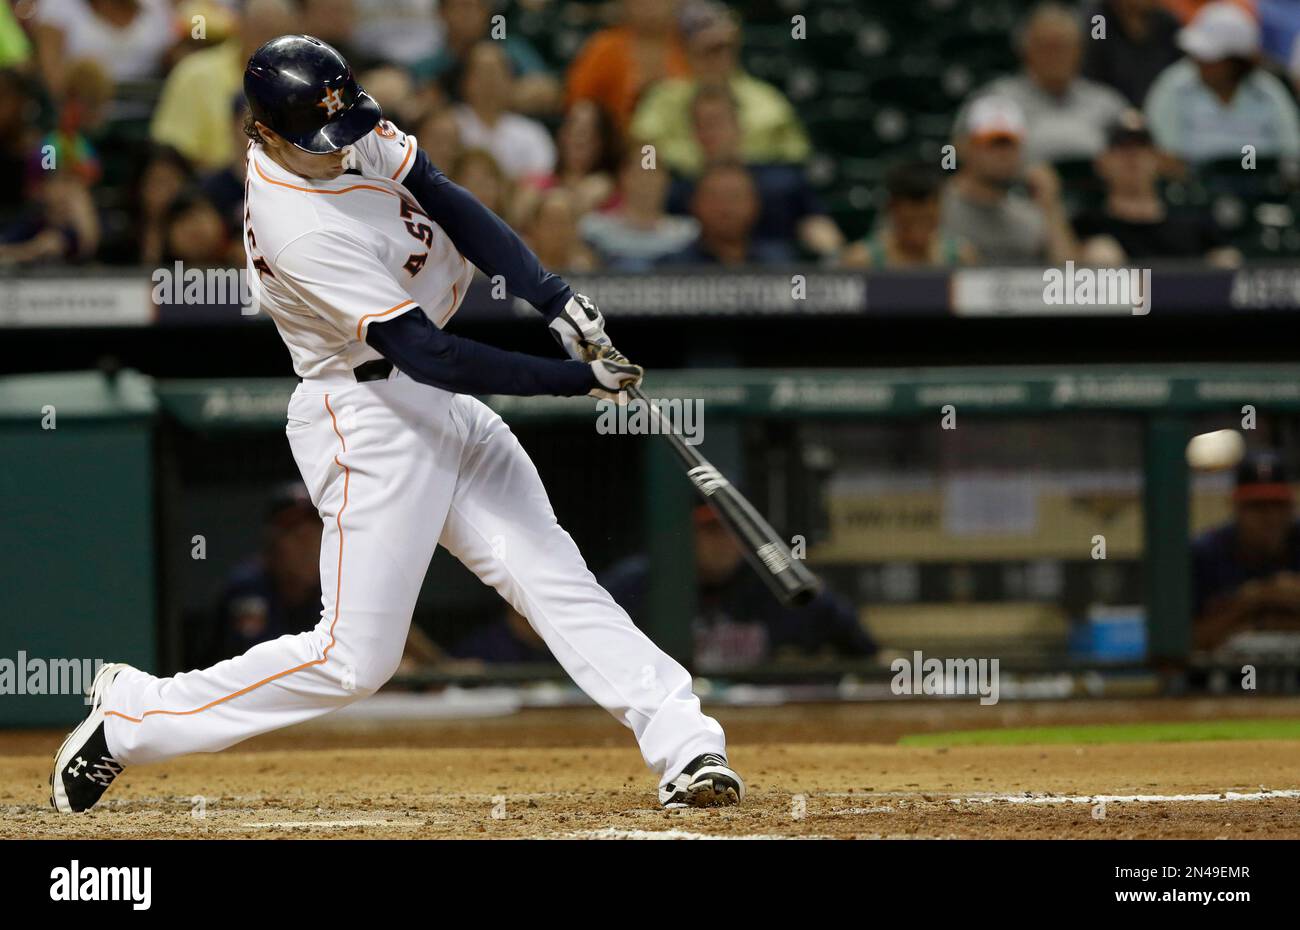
{"x":1216,"y":451}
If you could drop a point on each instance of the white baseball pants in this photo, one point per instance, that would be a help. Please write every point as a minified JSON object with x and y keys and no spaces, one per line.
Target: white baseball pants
{"x":395,"y":469}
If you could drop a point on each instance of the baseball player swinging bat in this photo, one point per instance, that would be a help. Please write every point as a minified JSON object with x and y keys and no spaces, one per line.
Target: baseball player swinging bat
{"x":787,"y":577}
{"x":360,"y":249}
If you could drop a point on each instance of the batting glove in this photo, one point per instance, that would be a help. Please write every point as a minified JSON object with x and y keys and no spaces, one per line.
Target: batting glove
{"x":614,"y":375}
{"x":580,"y":328}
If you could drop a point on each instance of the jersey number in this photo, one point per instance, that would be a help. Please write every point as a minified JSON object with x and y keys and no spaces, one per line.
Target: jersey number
{"x":420,"y":230}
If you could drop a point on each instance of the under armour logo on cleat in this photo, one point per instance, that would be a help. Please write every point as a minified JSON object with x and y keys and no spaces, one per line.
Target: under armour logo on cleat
{"x":75,"y":770}
{"x":105,"y":771}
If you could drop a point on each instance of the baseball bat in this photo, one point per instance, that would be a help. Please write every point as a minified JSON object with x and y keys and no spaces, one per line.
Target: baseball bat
{"x":788,"y":578}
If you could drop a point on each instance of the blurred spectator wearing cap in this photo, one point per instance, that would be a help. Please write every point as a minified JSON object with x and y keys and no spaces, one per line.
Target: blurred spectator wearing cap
{"x":1246,"y":574}
{"x":1217,"y":99}
{"x":466,"y":23}
{"x":193,"y":114}
{"x":980,"y":204}
{"x":770,"y":131}
{"x":1135,"y":223}
{"x":1066,"y":115}
{"x":1140,"y":43}
{"x":639,"y":232}
{"x":129,"y":39}
{"x":738,"y":622}
{"x":521,"y":146}
{"x":726,"y":204}
{"x":790,"y":212}
{"x":615,"y":65}
{"x":911,"y":236}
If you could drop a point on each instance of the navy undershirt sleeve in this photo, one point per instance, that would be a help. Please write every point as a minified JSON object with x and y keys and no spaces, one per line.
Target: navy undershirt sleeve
{"x":426,"y":354}
{"x":485,"y":239}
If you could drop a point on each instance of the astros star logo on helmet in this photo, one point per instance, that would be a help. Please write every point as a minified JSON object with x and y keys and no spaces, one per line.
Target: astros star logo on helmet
{"x":332,"y":101}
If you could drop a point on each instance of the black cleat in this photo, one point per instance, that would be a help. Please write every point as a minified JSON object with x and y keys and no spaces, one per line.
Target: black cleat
{"x":707,"y":782}
{"x":83,"y":768}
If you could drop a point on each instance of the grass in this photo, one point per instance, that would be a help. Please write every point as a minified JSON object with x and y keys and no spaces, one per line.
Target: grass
{"x":1179,"y":732}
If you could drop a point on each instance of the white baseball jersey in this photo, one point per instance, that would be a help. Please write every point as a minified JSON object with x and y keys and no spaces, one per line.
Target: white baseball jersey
{"x":327,"y":258}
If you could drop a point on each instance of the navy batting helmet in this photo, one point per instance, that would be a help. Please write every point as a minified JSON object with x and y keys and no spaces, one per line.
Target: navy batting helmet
{"x":304,"y":90}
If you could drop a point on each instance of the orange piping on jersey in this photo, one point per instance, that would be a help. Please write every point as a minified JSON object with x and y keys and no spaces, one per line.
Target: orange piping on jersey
{"x":338,"y":596}
{"x":455,"y":296}
{"x":313,"y":190}
{"x":362,"y":322}
{"x":409,"y":149}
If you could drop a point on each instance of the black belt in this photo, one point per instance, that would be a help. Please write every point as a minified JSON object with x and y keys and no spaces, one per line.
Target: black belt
{"x":375,"y":370}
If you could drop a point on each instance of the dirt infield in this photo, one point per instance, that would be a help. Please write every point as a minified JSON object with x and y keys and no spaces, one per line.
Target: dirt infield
{"x":812,"y":770}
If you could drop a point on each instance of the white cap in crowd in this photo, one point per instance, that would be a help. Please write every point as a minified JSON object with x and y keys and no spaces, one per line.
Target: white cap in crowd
{"x":1220,"y":30}
{"x":995,"y":117}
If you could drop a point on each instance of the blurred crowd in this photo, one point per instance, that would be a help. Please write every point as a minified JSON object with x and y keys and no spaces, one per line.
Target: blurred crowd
{"x":651,"y":144}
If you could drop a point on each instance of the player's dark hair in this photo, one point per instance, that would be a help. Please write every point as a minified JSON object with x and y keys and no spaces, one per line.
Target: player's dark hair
{"x":250,"y":128}
{"x":913,"y":181}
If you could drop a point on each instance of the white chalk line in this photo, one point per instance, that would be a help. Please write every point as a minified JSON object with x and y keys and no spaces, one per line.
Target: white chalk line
{"x":1218,"y":797}
{"x":613,"y":833}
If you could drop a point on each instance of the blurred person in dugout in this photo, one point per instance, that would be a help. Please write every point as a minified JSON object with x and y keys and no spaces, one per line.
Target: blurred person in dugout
{"x":982,"y":204}
{"x":738,"y":622}
{"x":1135,"y":223}
{"x":1246,"y":573}
{"x":910,"y":236}
{"x":276,"y":592}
